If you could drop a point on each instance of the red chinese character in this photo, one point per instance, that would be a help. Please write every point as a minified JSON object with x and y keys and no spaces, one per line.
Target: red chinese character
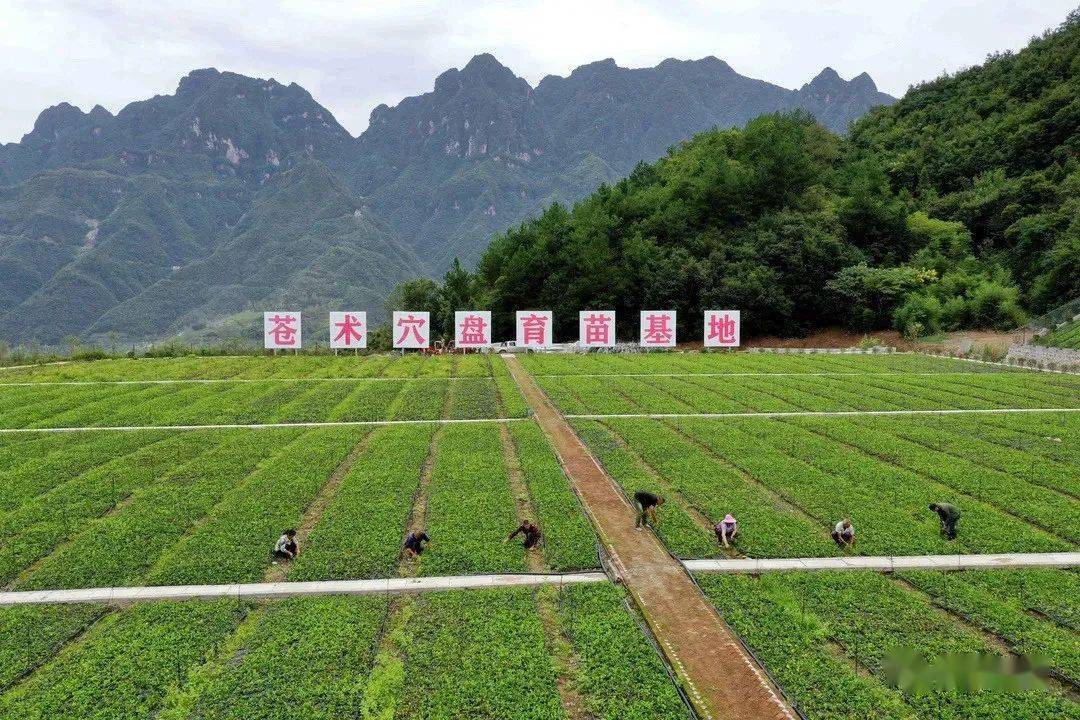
{"x":472,"y":330}
{"x":722,"y":328}
{"x":597,"y":329}
{"x":411,"y":325}
{"x":349,"y":329}
{"x":533,"y":329}
{"x":658,"y":329}
{"x":283,"y":331}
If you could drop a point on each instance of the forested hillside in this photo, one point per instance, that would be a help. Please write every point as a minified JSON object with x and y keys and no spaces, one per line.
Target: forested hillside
{"x":186,"y":213}
{"x":959,"y":206}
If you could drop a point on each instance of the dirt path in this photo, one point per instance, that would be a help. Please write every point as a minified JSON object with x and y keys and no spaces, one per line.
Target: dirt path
{"x":722,"y":680}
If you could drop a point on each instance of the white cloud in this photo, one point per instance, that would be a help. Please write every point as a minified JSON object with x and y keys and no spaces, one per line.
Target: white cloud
{"x":353,"y":55}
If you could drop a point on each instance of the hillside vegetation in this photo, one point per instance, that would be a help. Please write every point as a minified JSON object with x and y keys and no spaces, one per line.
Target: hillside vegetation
{"x":959,"y":206}
{"x":187,"y":214}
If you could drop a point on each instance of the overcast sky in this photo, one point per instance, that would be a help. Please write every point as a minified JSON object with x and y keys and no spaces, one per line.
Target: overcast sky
{"x":354,"y":54}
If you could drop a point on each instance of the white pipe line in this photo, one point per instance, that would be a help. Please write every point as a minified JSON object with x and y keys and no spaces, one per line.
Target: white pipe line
{"x":816,"y":413}
{"x":754,"y":566}
{"x":826,"y":373}
{"x":384,"y":586}
{"x":272,"y":590}
{"x":237,"y":381}
{"x":259,"y":426}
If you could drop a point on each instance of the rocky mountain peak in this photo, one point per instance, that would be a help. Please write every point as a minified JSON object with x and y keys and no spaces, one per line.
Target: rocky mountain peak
{"x":55,"y":119}
{"x":198,"y":81}
{"x":864,"y":83}
{"x":826,"y":79}
{"x":483,"y":70}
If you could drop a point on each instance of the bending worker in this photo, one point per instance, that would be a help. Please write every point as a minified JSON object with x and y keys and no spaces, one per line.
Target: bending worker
{"x":286,"y":547}
{"x":844,"y":534}
{"x":726,"y":530}
{"x":530,"y":532}
{"x":950,"y":516}
{"x":414,"y":542}
{"x":646,"y":503}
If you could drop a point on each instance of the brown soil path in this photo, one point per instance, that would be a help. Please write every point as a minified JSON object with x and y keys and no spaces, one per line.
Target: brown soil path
{"x":722,"y":680}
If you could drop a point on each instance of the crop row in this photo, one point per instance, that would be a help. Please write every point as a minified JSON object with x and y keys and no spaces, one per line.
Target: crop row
{"x":1052,"y":595}
{"x":1064,"y":337}
{"x":483,"y":654}
{"x":994,"y":448}
{"x":251,"y":403}
{"x":788,"y":481}
{"x":201,"y":506}
{"x":826,"y":638}
{"x":1056,"y":433}
{"x":119,"y":548}
{"x":1052,"y":437}
{"x":361,"y":530}
{"x":470,"y":509}
{"x":981,"y":601}
{"x":824,"y":480}
{"x":718,"y":486}
{"x":477,"y":654}
{"x":232,"y":543}
{"x":255,"y":367}
{"x":308,"y":658}
{"x":569,"y":542}
{"x":36,"y":527}
{"x":728,"y":363}
{"x":957,"y":463}
{"x":125,"y":664}
{"x":803,"y":461}
{"x":512,"y":402}
{"x":34,"y":467}
{"x":785,"y":393}
{"x":678,"y":530}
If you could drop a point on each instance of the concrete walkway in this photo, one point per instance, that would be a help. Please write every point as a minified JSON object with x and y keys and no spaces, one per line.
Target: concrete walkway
{"x":272,"y":590}
{"x":259,"y":426}
{"x":722,"y":680}
{"x":755,"y":566}
{"x":820,"y":413}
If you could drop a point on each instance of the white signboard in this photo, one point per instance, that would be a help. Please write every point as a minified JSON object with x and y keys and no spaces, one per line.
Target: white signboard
{"x":534,"y":328}
{"x":281,"y":330}
{"x":721,"y":328}
{"x":596,"y":328}
{"x":348,"y":330}
{"x":657,"y":328}
{"x":472,"y":328}
{"x":412,"y":330}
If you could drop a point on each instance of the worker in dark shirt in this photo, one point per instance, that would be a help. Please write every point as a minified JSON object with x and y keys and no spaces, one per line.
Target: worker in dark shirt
{"x":414,"y":542}
{"x":949,"y":515}
{"x":530,"y":532}
{"x":286,"y":548}
{"x":646,"y":504}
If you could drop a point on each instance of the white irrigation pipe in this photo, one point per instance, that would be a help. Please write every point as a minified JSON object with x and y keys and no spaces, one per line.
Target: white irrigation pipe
{"x":818,"y":413}
{"x":754,"y":566}
{"x":259,"y":426}
{"x":832,"y":373}
{"x":386,"y":586}
{"x":269,"y":591}
{"x":226,"y":381}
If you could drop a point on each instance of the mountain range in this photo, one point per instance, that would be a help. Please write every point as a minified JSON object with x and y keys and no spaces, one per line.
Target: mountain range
{"x":187,"y":213}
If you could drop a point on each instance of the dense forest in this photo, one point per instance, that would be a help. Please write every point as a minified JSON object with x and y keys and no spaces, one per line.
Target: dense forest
{"x":957,"y":207}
